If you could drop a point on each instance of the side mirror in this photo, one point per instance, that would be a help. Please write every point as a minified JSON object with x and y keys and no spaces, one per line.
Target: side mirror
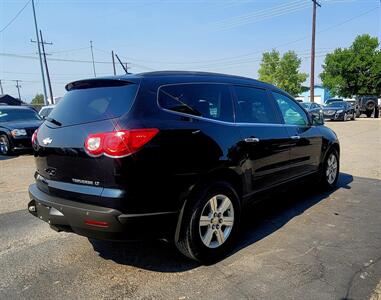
{"x":317,"y":119}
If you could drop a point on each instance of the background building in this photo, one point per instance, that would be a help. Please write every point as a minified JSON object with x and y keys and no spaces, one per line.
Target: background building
{"x":321,"y":94}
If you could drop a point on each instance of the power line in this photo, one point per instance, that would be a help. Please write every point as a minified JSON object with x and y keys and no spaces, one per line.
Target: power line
{"x":15,"y":17}
{"x":69,"y":50}
{"x":257,"y":51}
{"x":232,"y":60}
{"x":263,"y":14}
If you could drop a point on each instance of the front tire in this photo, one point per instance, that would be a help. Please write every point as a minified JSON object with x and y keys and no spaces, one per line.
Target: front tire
{"x":5,"y":145}
{"x":331,"y":170}
{"x":210,"y":223}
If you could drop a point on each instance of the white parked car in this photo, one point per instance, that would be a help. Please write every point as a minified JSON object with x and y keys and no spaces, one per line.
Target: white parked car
{"x":45,"y":111}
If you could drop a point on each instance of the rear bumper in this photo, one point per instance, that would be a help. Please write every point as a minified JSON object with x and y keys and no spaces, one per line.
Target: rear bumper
{"x":99,"y":222}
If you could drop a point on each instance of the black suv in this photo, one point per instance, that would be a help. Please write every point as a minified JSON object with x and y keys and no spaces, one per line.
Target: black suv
{"x":173,"y":155}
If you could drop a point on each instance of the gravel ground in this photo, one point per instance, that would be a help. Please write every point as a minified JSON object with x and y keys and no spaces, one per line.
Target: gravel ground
{"x":298,"y":244}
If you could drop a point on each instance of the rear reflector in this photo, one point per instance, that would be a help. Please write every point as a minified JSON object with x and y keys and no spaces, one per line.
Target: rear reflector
{"x":96,"y":223}
{"x":118,"y":143}
{"x":34,"y":136}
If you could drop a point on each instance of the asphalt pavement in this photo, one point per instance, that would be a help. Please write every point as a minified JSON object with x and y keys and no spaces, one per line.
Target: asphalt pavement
{"x":297,"y":244}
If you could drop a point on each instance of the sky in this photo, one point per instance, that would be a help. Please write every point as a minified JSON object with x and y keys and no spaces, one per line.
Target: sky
{"x":224,"y":36}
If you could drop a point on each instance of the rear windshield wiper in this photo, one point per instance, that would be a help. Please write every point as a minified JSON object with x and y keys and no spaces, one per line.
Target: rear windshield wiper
{"x":54,"y":121}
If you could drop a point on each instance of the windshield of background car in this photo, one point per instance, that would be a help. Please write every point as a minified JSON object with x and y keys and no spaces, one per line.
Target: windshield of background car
{"x":336,"y":104}
{"x":306,"y":105}
{"x":9,"y":115}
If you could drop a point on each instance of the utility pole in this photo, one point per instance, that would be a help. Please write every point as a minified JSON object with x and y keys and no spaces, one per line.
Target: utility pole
{"x":113,"y":61}
{"x":92,"y":56}
{"x":380,"y":28}
{"x":1,"y":88}
{"x":39,"y":54}
{"x":312,"y":74}
{"x":124,"y":68}
{"x":46,"y":67}
{"x":18,"y":87}
{"x":43,"y":43}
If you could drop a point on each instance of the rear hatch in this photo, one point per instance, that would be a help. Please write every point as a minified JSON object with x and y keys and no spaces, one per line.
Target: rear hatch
{"x":63,"y":167}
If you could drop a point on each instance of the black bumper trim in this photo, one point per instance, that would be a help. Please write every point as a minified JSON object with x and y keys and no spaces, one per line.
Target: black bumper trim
{"x":67,"y":215}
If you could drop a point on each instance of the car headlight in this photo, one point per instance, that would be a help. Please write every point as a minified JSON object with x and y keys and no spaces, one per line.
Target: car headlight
{"x":339,"y":111}
{"x":18,"y":132}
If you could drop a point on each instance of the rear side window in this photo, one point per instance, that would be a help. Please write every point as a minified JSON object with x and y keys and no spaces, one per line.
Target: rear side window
{"x":94,"y":104}
{"x":210,"y":101}
{"x":254,"y":106}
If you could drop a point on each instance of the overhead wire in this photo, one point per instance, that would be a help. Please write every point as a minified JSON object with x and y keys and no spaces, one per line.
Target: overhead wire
{"x":15,"y":17}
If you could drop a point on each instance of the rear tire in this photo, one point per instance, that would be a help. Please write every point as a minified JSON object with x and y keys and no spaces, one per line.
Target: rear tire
{"x":5,"y":145}
{"x":377,"y":113}
{"x":210,"y":223}
{"x":368,"y":114}
{"x":331,"y":170}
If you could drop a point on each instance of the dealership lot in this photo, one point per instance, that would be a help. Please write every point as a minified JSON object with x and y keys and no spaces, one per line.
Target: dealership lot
{"x":297,"y":244}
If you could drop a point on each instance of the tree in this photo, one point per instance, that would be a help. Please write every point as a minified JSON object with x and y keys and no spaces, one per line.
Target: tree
{"x":354,"y":71}
{"x":282,"y":72}
{"x":38,"y":99}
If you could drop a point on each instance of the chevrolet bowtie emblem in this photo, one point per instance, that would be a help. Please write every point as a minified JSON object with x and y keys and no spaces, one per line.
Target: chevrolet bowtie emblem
{"x":47,"y":141}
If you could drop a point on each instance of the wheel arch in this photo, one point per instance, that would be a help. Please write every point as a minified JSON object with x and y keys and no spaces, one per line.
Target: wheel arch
{"x":222,"y":174}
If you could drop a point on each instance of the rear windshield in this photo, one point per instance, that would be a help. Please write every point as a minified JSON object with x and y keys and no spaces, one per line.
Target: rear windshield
{"x":94,"y":104}
{"x":9,"y":115}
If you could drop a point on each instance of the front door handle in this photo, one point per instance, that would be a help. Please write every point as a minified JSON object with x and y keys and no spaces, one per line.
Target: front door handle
{"x":251,"y":140}
{"x":295,"y":137}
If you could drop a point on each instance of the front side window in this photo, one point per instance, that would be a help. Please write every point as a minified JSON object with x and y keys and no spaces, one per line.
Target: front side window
{"x":254,"y":106}
{"x":292,"y":113}
{"x":206,"y":100}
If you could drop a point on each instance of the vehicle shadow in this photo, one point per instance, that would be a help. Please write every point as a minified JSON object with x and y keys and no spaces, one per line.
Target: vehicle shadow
{"x":8,"y":157}
{"x":266,"y":217}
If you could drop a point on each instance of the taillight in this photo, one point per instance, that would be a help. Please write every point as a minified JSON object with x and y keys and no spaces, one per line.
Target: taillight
{"x":118,"y":143}
{"x":34,"y":136}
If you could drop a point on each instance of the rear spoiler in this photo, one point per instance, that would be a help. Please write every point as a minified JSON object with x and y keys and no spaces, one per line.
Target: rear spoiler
{"x":94,"y":83}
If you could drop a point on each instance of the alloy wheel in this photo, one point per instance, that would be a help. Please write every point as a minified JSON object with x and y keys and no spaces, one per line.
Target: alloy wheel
{"x":331,"y":171}
{"x":216,"y":221}
{"x":4,"y":147}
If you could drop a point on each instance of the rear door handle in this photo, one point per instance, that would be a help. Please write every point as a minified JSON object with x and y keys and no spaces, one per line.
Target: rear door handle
{"x":295,"y":137}
{"x":251,"y":140}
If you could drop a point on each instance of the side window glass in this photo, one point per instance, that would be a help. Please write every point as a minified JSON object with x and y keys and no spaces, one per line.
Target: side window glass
{"x":254,"y":106}
{"x":210,"y":101}
{"x":292,"y":113}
